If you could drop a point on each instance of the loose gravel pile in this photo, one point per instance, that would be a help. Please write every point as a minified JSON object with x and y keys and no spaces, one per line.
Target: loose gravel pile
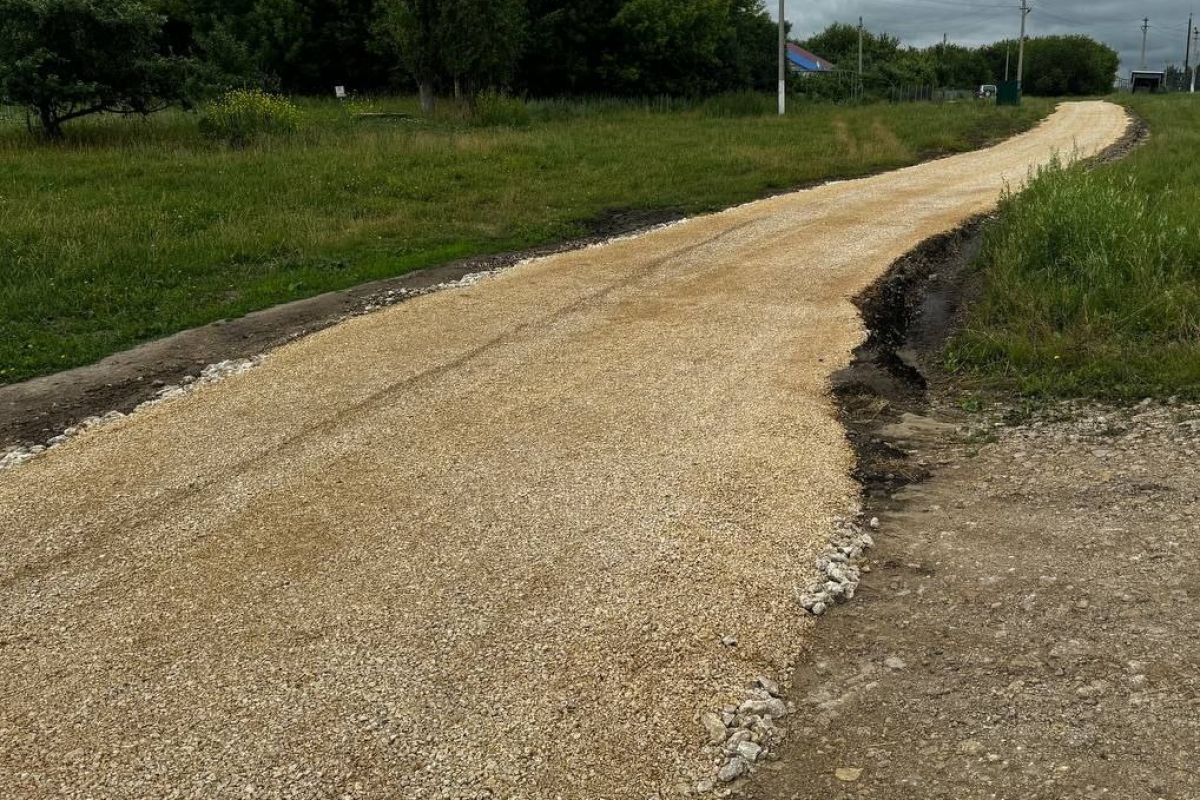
{"x":838,"y":570}
{"x":511,"y":540}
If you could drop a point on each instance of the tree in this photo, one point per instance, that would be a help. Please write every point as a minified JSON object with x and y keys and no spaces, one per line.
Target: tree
{"x":409,"y":28}
{"x":1059,"y":65}
{"x":748,"y":50}
{"x":64,"y":59}
{"x":480,"y":42}
{"x":569,"y":47}
{"x":671,"y":47}
{"x":960,"y":67}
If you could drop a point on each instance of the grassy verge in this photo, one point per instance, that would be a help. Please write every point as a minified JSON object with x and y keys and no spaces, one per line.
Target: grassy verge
{"x":135,"y":229}
{"x":1092,"y":278}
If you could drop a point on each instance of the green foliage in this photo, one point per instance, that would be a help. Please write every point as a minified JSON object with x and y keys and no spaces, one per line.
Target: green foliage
{"x":409,"y":29}
{"x":540,"y":48}
{"x":240,"y":116}
{"x":570,"y":47}
{"x":1054,"y":65}
{"x":493,"y":109}
{"x":306,"y":46}
{"x":480,"y":42}
{"x":1093,"y":277}
{"x":692,"y":49}
{"x":133,"y":230}
{"x":739,"y":104}
{"x":1058,"y":65}
{"x":64,"y":59}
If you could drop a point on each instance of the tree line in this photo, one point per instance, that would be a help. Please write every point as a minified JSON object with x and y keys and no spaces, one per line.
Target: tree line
{"x":68,"y":58}
{"x":1054,"y":65}
{"x":62,"y":59}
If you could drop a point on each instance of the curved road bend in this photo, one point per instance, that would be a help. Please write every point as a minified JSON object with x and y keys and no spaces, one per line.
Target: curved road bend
{"x":485,"y":539}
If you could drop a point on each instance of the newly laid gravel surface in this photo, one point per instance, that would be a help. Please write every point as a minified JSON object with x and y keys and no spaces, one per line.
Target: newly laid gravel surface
{"x":485,"y":543}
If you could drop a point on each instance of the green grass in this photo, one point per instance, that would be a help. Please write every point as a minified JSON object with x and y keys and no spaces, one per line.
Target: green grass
{"x":134,"y":229}
{"x":1092,"y":278}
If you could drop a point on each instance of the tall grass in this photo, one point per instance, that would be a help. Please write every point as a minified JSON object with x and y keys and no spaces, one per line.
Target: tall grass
{"x":132,"y":229}
{"x":1093,"y":276}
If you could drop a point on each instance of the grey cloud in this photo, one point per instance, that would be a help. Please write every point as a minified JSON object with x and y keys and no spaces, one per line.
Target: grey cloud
{"x":922,"y":22}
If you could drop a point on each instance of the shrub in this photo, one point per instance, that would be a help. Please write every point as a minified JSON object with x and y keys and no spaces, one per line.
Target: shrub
{"x":493,"y":109}
{"x":240,"y":116}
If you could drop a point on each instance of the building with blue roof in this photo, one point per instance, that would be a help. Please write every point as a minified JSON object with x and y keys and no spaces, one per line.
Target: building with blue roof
{"x":804,"y":61}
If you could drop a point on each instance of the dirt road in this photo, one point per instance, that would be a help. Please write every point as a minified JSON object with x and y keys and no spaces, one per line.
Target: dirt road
{"x":1030,"y":630}
{"x":484,"y":543}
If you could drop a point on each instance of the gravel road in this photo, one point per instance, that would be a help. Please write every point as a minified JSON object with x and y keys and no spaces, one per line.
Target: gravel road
{"x":485,"y":543}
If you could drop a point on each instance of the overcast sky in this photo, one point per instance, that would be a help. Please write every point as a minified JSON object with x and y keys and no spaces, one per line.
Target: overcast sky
{"x":922,"y":22}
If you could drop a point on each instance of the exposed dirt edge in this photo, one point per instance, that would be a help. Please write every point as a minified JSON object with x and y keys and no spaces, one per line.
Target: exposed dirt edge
{"x":909,"y":314}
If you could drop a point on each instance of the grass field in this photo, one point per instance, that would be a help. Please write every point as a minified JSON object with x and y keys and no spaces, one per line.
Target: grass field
{"x":134,"y":229}
{"x":1093,"y":277}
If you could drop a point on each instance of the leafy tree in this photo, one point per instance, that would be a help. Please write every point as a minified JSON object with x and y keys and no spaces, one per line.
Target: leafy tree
{"x":64,"y":59}
{"x":409,"y":28}
{"x":480,"y":42}
{"x":747,"y":52}
{"x":1059,"y":65}
{"x":838,"y":43}
{"x":294,"y":45}
{"x":958,"y":67}
{"x":671,"y":47}
{"x":570,"y":47}
{"x":1054,"y":65}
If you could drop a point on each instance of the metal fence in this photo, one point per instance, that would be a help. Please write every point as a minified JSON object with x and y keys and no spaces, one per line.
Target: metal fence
{"x":12,"y":116}
{"x":846,"y":86}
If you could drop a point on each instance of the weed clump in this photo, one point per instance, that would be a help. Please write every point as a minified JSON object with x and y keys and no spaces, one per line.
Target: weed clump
{"x":240,"y":116}
{"x":494,"y":109}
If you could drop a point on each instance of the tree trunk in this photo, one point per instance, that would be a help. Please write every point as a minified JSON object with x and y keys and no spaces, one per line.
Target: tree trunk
{"x":50,"y":124}
{"x":426,"y":91}
{"x":458,"y":95}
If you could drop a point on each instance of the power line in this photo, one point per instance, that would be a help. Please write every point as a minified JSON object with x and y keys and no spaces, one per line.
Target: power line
{"x":951,"y":20}
{"x":952,"y":4}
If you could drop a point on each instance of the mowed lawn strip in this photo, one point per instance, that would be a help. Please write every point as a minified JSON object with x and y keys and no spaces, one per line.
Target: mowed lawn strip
{"x":1092,"y":277}
{"x":133,"y":229}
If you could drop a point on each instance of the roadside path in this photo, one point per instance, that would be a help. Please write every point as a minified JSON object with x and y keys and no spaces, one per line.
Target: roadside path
{"x":483,"y":543}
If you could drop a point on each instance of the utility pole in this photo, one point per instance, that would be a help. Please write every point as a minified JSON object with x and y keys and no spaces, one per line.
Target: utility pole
{"x":1007,"y":49}
{"x":1021,"y":48}
{"x":860,"y":78}
{"x":782,"y":62}
{"x":1195,"y":36}
{"x":1187,"y":52}
{"x":1145,"y":28}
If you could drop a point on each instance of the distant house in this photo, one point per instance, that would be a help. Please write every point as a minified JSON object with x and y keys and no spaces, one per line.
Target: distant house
{"x":804,"y":61}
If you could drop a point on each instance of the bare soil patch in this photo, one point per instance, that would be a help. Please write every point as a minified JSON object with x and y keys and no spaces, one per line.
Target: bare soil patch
{"x":1029,"y":627}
